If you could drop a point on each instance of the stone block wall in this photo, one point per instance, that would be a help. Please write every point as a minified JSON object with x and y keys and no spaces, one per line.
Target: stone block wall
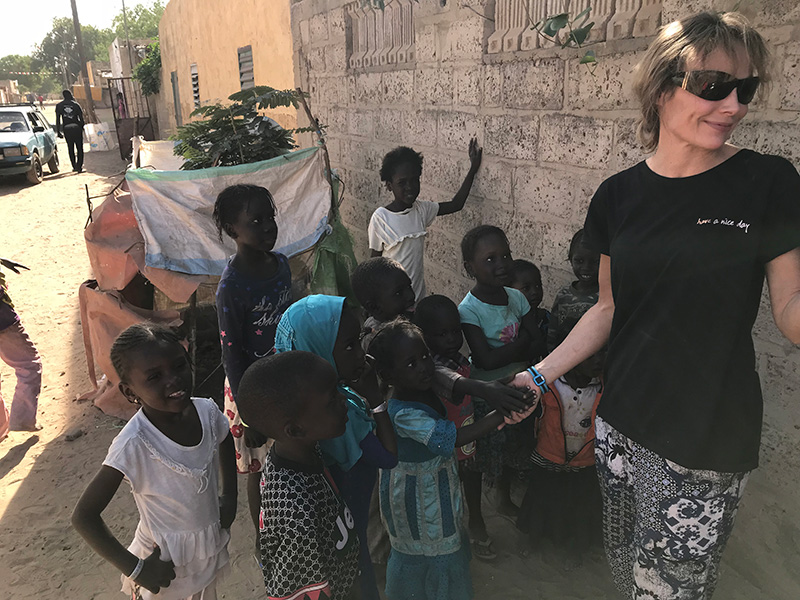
{"x":551,"y":130}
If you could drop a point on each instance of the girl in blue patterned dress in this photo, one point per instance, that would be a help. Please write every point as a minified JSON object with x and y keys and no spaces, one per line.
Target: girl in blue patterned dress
{"x":421,"y":503}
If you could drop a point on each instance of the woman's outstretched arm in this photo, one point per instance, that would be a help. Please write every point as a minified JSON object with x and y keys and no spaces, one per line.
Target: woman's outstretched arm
{"x":586,"y":338}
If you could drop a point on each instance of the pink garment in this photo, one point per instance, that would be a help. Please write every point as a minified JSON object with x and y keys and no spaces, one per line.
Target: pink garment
{"x":104,"y":315}
{"x":19,"y":353}
{"x":116,"y":251}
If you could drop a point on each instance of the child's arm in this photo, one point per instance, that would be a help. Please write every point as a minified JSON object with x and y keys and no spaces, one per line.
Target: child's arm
{"x":370,"y":390}
{"x":457,"y":203}
{"x":538,"y":345}
{"x":555,"y":325}
{"x":88,"y":522}
{"x":499,"y":396}
{"x":485,"y":357}
{"x":227,"y":469}
{"x":373,"y":236}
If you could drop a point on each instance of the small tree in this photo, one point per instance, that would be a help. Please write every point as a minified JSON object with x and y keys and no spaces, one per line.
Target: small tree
{"x":236,"y":133}
{"x":148,"y":72}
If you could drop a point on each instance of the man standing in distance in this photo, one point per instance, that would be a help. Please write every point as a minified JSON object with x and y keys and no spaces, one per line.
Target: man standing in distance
{"x":69,"y":125}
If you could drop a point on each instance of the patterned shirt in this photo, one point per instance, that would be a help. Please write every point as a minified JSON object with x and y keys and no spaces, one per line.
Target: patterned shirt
{"x":309,"y":547}
{"x":248,"y":311}
{"x":568,"y":308}
{"x":459,"y":411}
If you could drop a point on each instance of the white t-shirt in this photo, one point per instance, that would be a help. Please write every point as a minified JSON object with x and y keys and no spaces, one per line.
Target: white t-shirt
{"x":176,"y":491}
{"x":401,"y":236}
{"x":576,"y":411}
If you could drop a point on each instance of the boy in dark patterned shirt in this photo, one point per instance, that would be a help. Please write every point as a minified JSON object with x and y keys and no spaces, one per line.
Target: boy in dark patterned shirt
{"x":309,"y":547}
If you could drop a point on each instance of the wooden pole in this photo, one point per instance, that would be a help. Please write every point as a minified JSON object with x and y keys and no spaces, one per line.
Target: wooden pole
{"x":328,"y":174}
{"x":90,"y":117}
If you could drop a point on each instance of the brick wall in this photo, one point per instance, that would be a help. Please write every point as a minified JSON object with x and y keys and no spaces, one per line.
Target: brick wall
{"x":551,"y":132}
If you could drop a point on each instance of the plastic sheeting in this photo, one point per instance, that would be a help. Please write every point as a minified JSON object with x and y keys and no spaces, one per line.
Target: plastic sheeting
{"x":156,"y":155}
{"x":116,"y":251}
{"x":104,"y":315}
{"x":173,"y":209}
{"x":100,"y":137}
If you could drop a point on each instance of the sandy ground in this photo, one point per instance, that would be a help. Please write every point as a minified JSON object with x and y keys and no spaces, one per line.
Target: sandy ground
{"x":42,"y":474}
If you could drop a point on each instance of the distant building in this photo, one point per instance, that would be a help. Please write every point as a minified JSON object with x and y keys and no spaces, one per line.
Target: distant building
{"x":120,"y":59}
{"x":9,"y":91}
{"x":213,"y":48}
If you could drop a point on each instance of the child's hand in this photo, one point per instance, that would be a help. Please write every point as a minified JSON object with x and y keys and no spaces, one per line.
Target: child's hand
{"x":253,"y":439}
{"x":368,"y":386}
{"x":227,"y":511}
{"x":14,"y":266}
{"x":503,"y":398}
{"x":475,"y":154}
{"x":518,"y":417}
{"x":156,"y":573}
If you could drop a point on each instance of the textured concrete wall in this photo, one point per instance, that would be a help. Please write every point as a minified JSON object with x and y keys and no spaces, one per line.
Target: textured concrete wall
{"x":208,"y":33}
{"x":551,"y":132}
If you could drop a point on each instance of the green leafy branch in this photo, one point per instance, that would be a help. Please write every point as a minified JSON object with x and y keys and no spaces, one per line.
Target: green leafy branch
{"x":148,"y":72}
{"x":237,"y":133}
{"x":577,"y":32}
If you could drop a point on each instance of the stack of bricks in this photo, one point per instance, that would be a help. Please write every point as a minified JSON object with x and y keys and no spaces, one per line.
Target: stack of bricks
{"x":551,"y":128}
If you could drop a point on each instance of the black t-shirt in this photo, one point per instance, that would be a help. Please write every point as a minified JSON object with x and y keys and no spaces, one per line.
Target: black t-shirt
{"x":687,"y":271}
{"x":70,"y":113}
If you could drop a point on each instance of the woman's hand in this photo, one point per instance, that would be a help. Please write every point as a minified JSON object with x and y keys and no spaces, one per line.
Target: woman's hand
{"x":156,"y":573}
{"x":227,"y":511}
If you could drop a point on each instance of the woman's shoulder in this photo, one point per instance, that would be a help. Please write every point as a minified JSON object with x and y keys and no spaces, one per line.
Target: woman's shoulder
{"x":764,"y":165}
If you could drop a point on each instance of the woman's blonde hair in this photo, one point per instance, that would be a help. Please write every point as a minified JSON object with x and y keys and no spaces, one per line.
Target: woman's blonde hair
{"x":692,"y":38}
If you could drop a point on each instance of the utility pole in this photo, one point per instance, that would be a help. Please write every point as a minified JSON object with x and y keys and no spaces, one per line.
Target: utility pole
{"x":90,"y":117}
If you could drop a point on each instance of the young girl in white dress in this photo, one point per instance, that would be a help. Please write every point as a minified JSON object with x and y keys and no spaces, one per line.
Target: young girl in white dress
{"x":170,"y":453}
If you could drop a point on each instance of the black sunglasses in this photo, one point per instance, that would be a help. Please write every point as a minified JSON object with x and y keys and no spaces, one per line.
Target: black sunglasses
{"x":716,"y":85}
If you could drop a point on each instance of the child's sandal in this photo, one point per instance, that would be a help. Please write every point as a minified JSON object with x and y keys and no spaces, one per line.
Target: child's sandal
{"x":483,"y":550}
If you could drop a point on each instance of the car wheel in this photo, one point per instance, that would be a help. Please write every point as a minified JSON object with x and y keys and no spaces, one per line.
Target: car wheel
{"x":52,"y":164}
{"x":35,"y":174}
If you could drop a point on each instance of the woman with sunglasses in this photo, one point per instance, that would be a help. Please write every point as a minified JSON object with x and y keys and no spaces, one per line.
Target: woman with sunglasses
{"x":686,"y":239}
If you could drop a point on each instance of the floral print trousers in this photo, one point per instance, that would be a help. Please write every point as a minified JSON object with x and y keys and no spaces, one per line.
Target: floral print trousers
{"x":664,"y":526}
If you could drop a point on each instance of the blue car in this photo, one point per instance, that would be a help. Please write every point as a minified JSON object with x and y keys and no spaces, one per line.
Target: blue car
{"x":27,"y":141}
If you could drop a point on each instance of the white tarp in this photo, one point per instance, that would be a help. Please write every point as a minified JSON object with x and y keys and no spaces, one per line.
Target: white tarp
{"x":173,"y":209}
{"x":100,"y":137}
{"x":157,"y":154}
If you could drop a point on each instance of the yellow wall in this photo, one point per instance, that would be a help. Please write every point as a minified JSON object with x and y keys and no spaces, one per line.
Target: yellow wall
{"x":208,"y":33}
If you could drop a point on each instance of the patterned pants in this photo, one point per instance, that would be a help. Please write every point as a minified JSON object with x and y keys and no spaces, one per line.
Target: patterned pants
{"x":664,"y":526}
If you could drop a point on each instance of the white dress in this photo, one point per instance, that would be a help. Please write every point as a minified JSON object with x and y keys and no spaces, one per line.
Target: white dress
{"x":401,"y":236}
{"x":176,"y":491}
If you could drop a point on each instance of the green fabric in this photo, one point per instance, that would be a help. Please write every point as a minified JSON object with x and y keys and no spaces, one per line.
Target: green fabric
{"x":149,"y":175}
{"x":334,"y":260}
{"x":311,"y":325}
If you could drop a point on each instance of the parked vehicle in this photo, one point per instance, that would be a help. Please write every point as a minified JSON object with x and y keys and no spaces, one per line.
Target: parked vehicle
{"x":27,"y":141}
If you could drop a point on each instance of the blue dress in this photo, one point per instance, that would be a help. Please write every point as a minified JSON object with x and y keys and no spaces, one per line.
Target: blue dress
{"x":422,"y":509}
